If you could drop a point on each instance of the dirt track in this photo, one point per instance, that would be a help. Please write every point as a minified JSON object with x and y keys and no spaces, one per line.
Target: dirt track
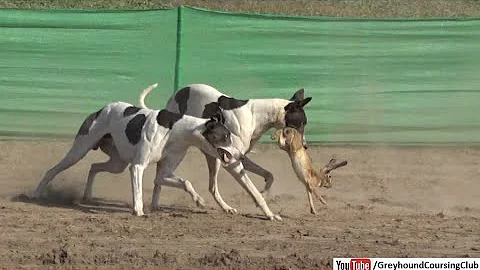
{"x":386,"y":202}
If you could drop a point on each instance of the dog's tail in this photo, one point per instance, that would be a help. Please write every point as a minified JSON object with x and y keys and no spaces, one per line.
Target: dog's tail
{"x":141,"y":99}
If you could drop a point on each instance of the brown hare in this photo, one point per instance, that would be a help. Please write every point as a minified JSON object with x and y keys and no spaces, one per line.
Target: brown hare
{"x":291,"y":141}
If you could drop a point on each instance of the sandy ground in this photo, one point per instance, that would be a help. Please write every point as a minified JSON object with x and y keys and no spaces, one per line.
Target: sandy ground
{"x":387,"y":202}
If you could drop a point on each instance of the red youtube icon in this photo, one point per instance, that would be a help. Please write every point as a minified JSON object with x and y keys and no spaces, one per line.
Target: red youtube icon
{"x":360,"y":264}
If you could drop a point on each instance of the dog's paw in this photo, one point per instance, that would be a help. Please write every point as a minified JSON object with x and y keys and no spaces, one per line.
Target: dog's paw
{"x":276,"y":217}
{"x":200,"y":202}
{"x":231,"y":210}
{"x":138,"y":213}
{"x":86,"y":199}
{"x":266,"y":189}
{"x":268,"y":183}
{"x":35,"y":195}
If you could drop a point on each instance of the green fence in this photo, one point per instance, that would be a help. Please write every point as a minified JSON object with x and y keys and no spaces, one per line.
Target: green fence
{"x":372,"y":81}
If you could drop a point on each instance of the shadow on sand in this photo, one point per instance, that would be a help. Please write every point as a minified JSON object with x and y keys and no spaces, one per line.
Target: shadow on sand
{"x":96,"y":205}
{"x":70,"y":199}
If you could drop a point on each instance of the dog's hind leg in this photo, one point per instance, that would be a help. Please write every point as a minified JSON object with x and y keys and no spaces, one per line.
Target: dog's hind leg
{"x":251,"y":166}
{"x":90,"y":133}
{"x":213,"y":167}
{"x":114,"y":165}
{"x":80,"y":148}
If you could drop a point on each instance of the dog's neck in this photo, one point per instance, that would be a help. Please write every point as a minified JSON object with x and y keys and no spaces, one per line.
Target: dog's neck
{"x":268,"y":113}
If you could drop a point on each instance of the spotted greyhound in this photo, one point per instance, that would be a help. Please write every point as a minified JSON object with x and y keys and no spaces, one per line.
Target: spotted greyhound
{"x":128,"y":134}
{"x":247,"y":120}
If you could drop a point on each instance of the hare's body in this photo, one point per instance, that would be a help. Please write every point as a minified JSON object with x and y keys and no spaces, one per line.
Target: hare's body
{"x":290,"y":140}
{"x":302,"y":165}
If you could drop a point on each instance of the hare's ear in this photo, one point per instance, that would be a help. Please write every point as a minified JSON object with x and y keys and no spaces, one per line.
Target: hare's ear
{"x":340,"y":164}
{"x":331,"y":162}
{"x":332,"y":165}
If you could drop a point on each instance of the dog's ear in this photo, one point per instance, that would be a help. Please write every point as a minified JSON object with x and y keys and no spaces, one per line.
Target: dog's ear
{"x":292,"y":106}
{"x":210,"y":124}
{"x":303,"y":102}
{"x":218,"y":116}
{"x":299,"y":95}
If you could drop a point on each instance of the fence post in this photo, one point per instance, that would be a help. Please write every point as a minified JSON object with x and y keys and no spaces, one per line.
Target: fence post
{"x":178,"y":48}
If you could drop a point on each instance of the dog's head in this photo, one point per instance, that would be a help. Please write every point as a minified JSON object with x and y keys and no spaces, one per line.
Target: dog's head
{"x":295,"y":116}
{"x":218,"y":136}
{"x":326,"y":177}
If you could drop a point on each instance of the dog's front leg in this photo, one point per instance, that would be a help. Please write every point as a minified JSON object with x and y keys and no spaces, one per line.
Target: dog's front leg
{"x":251,"y":166}
{"x":136,"y":173}
{"x":115,"y":165}
{"x":165,"y":176}
{"x":238,"y":172}
{"x":213,"y":167}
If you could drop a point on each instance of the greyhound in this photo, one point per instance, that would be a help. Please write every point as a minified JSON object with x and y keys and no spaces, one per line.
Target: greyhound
{"x":136,"y":136}
{"x":247,"y":120}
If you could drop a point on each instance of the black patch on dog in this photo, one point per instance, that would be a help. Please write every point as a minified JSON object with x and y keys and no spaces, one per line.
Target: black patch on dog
{"x":134,"y":128}
{"x":215,"y":132}
{"x":87,"y":123}
{"x":130,"y":111}
{"x":219,"y":117}
{"x":223,"y":102}
{"x":211,"y":109}
{"x":167,"y":119}
{"x":295,"y":115}
{"x":181,"y":97}
{"x":228,"y":103}
{"x":296,"y":119}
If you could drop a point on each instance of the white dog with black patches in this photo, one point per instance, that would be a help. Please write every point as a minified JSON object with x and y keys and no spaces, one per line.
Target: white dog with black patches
{"x":247,"y":120}
{"x":136,"y":136}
